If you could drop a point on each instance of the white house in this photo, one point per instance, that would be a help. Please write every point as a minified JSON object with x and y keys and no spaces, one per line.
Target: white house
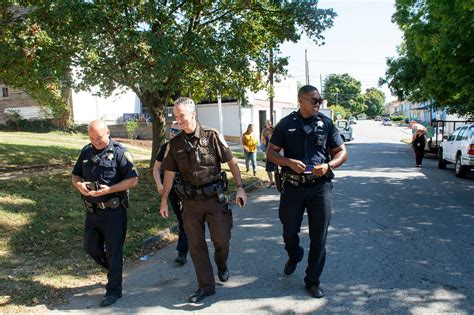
{"x":236,"y":118}
{"x":87,"y":107}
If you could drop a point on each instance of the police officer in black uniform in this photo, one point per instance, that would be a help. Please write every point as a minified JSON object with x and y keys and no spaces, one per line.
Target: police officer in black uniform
{"x":103,"y":174}
{"x":197,"y":153}
{"x":312,"y":149}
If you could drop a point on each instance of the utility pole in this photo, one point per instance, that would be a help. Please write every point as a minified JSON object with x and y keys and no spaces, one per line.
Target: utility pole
{"x":270,"y":71}
{"x":306,"y":68}
{"x":321,"y":83}
{"x":221,"y":117}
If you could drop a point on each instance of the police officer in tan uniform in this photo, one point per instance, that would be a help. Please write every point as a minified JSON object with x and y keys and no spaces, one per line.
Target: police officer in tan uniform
{"x":197,"y":153}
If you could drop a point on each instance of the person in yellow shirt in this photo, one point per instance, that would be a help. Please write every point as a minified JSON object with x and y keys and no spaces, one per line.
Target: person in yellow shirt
{"x":249,"y":142}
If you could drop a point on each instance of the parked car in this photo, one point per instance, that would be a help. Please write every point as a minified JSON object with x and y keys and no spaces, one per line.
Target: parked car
{"x":345,"y":129}
{"x":458,"y":148}
{"x":387,"y":122}
{"x":378,"y":118}
{"x":352,"y":120}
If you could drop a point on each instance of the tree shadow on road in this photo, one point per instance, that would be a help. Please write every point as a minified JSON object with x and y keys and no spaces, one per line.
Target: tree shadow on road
{"x":400,"y":241}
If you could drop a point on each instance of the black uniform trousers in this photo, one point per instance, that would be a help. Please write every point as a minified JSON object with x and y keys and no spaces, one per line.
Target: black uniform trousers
{"x":219,"y":219}
{"x":317,"y":200}
{"x":104,"y":236}
{"x":176,"y":205}
{"x":419,"y":153}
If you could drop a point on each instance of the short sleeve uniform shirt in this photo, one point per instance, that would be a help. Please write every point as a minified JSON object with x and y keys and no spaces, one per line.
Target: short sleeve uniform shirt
{"x":313,"y":148}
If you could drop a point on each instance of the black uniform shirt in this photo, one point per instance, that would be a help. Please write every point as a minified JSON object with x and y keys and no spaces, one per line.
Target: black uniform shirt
{"x":312,"y":149}
{"x":197,"y":156}
{"x":108,"y":166}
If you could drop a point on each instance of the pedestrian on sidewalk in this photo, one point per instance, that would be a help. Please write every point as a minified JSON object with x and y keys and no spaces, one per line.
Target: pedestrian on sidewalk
{"x":313,"y":148}
{"x":175,"y":201}
{"x":269,"y":165}
{"x":249,"y":143}
{"x":103,"y":174}
{"x":418,"y":143}
{"x":197,"y":153}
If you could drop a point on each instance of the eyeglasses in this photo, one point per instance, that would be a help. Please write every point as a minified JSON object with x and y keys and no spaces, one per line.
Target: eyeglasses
{"x":314,"y":100}
{"x":174,"y":130}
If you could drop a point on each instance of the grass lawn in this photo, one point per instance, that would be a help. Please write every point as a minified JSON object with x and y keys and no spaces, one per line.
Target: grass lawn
{"x":240,"y":155}
{"x":26,"y":149}
{"x":41,"y":231}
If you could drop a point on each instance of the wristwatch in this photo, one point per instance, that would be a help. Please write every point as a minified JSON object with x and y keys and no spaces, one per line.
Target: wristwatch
{"x":330,"y":166}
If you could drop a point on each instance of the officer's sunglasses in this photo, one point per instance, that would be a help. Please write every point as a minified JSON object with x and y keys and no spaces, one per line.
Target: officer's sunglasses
{"x":314,"y":100}
{"x":174,"y":130}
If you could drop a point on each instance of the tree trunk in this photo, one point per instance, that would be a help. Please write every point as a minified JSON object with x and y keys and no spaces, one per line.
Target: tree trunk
{"x":156,"y":104}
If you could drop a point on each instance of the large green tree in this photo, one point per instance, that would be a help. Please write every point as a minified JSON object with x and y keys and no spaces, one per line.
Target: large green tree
{"x":162,"y":49}
{"x":344,"y":90}
{"x":374,"y":99}
{"x":37,"y":57}
{"x":435,"y":61}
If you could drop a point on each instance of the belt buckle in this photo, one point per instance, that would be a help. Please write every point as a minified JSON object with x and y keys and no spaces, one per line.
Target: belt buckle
{"x":101,"y":205}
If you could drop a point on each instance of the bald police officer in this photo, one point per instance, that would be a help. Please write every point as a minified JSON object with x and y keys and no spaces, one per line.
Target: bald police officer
{"x":103,"y":174}
{"x":312,"y":149}
{"x":197,"y":153}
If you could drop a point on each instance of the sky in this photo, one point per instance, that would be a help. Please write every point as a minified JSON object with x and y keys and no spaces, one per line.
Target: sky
{"x":362,"y":37}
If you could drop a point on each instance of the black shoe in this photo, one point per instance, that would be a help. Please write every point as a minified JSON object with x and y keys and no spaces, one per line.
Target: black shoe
{"x":223,"y":274}
{"x":314,"y":290}
{"x":109,"y":300}
{"x":181,"y":258}
{"x":290,"y":267}
{"x":199,"y":295}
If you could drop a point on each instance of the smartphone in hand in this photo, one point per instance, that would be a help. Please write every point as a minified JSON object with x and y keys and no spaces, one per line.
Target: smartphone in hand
{"x":93,"y":186}
{"x":308,"y":169}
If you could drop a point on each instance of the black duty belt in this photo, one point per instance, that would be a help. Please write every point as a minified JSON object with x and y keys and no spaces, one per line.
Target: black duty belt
{"x":300,"y":179}
{"x":111,"y":203}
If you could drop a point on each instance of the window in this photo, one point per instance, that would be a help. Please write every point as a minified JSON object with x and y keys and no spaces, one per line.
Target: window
{"x":459,"y":137}
{"x":5,"y":92}
{"x":470,"y":133}
{"x":454,"y":135}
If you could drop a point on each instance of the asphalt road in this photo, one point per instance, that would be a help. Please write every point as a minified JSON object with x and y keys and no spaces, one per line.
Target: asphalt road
{"x":400,"y":242}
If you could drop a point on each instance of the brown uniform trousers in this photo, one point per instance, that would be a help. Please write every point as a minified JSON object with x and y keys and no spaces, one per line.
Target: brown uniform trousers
{"x":195,"y":214}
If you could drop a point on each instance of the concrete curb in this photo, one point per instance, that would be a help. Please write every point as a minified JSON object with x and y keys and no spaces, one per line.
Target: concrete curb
{"x":174,"y":228}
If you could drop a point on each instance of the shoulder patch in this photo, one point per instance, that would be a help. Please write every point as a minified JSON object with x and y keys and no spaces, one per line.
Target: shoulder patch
{"x":129,"y":157}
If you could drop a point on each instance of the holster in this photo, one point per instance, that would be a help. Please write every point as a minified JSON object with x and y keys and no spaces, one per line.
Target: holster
{"x":225,"y":181}
{"x":278,"y":179}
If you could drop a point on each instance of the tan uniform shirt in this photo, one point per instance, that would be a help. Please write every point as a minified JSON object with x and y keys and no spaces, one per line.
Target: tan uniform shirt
{"x":197,"y":157}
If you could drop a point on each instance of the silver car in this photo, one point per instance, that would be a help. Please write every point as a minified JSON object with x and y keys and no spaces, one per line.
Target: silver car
{"x":458,"y":148}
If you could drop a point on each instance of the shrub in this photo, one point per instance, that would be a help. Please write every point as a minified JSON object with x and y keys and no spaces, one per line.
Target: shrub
{"x":14,"y":119}
{"x":398,"y":118}
{"x":131,"y":126}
